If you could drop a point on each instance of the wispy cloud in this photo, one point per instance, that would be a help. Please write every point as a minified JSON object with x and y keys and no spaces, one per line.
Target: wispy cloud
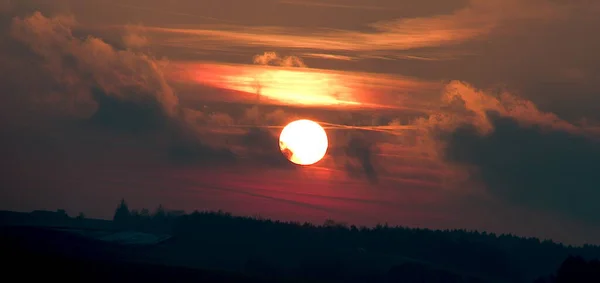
{"x":309,"y":86}
{"x":477,"y":19}
{"x":324,"y":4}
{"x":329,"y":56}
{"x":163,"y":11}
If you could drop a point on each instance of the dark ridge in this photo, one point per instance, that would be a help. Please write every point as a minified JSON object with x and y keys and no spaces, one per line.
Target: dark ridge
{"x":275,"y":250}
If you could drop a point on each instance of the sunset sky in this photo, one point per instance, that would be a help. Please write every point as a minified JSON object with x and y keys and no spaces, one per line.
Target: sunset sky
{"x":442,"y":114}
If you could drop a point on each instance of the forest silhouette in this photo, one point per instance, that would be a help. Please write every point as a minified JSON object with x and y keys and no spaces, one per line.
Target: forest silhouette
{"x":275,"y":251}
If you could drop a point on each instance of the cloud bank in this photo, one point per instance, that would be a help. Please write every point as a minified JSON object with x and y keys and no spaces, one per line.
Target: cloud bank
{"x":79,"y":65}
{"x":122,"y":91}
{"x":125,"y":92}
{"x":519,"y":153}
{"x":476,"y":19}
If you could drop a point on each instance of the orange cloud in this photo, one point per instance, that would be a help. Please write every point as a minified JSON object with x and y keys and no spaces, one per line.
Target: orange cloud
{"x":477,"y":19}
{"x":92,"y":63}
{"x":329,"y":56}
{"x":310,"y":86}
{"x":133,"y":37}
{"x":463,"y":104}
{"x":331,"y":5}
{"x":272,"y":58}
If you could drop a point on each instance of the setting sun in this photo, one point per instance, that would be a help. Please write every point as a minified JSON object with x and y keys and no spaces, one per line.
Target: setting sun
{"x":303,"y":142}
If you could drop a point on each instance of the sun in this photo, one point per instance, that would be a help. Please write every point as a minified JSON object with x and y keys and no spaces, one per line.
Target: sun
{"x":303,"y":142}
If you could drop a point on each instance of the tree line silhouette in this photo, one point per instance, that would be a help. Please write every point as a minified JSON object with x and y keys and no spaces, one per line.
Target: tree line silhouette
{"x":347,"y":253}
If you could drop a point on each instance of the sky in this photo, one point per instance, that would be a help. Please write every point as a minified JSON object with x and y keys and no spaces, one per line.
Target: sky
{"x":442,"y":114}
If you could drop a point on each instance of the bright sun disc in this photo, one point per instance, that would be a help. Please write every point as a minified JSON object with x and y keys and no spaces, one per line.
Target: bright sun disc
{"x":303,"y":142}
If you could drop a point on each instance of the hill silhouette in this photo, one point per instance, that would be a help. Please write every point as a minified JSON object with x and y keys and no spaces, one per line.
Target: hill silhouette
{"x":253,"y":248}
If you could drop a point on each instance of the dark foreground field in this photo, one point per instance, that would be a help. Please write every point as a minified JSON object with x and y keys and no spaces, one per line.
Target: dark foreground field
{"x":217,"y":247}
{"x":38,"y":252}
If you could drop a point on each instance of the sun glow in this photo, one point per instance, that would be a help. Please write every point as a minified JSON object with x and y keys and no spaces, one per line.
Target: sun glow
{"x":303,"y":142}
{"x":294,"y":87}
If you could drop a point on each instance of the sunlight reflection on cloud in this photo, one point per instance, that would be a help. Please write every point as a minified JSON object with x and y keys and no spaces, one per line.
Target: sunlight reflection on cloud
{"x":309,"y":86}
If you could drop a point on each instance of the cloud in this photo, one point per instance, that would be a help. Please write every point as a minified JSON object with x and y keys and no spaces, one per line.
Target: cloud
{"x":153,"y":10}
{"x":263,"y":148}
{"x":272,"y":58}
{"x":223,"y":137}
{"x":5,"y":6}
{"x":519,"y":153}
{"x":254,"y":140}
{"x":134,"y":37}
{"x":361,"y":158}
{"x":477,"y":19}
{"x":486,"y":43}
{"x":187,"y":148}
{"x":127,"y":116}
{"x":466,"y":104}
{"x":129,"y":96}
{"x":557,"y":69}
{"x":530,"y":165}
{"x":80,"y":64}
{"x":324,"y":4}
{"x":329,"y":56}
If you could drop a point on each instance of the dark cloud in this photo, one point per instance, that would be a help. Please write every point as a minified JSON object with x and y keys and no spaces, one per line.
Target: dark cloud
{"x":530,"y":165}
{"x":79,"y":65}
{"x":108,"y":90}
{"x":127,"y":116}
{"x":194,"y":152}
{"x":263,"y":148}
{"x":360,"y":153}
{"x":356,"y":153}
{"x":518,"y":152}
